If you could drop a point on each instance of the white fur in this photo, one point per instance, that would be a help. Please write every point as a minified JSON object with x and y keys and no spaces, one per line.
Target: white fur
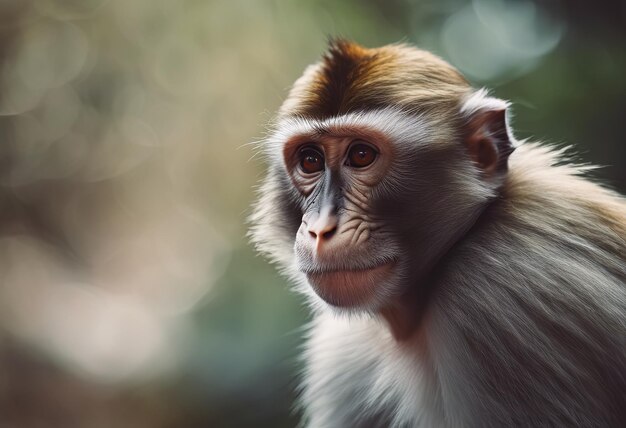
{"x":395,"y":123}
{"x":480,"y":100}
{"x":355,"y":369}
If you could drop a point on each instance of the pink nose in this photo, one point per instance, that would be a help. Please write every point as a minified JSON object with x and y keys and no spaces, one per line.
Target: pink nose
{"x":322,"y":228}
{"x":322,"y":231}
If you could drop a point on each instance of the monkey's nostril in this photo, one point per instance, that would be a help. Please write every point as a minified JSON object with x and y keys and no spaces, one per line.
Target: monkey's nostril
{"x":329,"y":233}
{"x":313,"y":234}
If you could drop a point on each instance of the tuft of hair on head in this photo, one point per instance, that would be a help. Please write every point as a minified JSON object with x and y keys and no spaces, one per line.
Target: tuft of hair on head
{"x":351,"y":78}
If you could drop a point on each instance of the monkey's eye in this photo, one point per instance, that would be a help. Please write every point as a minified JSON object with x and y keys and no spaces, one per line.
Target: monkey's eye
{"x":311,"y":160}
{"x":361,"y":155}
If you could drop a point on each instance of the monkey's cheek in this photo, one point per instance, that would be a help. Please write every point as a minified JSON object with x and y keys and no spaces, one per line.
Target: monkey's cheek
{"x":350,"y":288}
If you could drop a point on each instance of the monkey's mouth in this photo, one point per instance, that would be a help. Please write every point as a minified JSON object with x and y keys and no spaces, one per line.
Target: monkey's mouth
{"x":349,"y":287}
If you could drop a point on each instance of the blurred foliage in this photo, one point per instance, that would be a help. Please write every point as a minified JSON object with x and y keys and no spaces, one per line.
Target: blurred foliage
{"x":129,"y":296}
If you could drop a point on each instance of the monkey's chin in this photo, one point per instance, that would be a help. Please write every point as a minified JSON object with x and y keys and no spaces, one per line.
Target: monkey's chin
{"x":351,"y":288}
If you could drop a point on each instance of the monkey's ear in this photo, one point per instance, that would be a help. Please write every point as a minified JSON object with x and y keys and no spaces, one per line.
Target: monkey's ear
{"x":486,"y":133}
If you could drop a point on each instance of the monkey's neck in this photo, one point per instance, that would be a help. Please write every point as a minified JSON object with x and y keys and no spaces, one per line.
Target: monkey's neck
{"x":400,"y":322}
{"x":404,"y":316}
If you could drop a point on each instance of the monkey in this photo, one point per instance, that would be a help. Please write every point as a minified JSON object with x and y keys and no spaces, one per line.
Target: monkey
{"x":457,"y":277}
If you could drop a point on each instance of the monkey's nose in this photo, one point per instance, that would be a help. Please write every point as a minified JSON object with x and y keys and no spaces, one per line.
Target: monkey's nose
{"x":324,"y":233}
{"x":323,"y":228}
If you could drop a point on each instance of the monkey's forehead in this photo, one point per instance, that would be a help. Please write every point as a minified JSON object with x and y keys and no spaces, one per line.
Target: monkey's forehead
{"x":393,"y":123}
{"x":351,"y":78}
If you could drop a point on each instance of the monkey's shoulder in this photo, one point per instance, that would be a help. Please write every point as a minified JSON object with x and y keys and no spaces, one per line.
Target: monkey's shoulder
{"x":535,"y":311}
{"x":551,"y":227}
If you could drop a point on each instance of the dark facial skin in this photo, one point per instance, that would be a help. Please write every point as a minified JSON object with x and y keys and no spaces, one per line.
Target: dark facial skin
{"x":335,"y":176}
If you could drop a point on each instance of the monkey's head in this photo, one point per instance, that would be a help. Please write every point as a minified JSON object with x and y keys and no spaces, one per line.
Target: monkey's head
{"x":379,"y":161}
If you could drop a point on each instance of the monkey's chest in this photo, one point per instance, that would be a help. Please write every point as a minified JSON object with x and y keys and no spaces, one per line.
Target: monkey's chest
{"x":358,"y":376}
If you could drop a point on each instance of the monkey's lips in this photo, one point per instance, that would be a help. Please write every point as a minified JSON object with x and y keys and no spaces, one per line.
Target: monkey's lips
{"x":350,"y":287}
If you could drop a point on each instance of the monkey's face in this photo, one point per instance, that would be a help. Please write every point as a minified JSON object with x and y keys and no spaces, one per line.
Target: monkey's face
{"x":342,"y":244}
{"x":378,"y":164}
{"x":364,"y":203}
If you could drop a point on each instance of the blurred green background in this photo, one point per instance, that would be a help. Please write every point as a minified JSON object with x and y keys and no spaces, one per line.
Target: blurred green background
{"x":129,"y":296}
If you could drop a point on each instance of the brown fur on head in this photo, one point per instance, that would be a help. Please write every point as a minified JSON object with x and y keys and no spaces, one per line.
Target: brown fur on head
{"x":353,"y":78}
